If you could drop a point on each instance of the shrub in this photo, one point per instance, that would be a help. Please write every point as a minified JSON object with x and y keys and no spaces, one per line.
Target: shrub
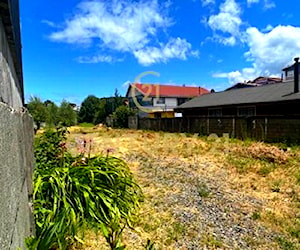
{"x":121,"y":116}
{"x":71,"y":193}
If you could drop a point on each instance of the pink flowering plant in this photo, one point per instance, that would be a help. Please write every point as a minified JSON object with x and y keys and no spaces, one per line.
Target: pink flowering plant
{"x":74,"y":193}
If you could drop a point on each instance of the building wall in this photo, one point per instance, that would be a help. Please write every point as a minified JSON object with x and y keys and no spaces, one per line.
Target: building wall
{"x":16,"y":139}
{"x":9,"y":92}
{"x":169,"y":102}
{"x":16,"y":152}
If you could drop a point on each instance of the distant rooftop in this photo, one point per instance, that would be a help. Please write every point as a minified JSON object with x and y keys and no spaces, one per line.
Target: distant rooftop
{"x":161,"y":90}
{"x":263,"y":94}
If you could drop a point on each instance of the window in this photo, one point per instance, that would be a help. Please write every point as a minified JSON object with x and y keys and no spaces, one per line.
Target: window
{"x":247,"y":111}
{"x":160,"y":100}
{"x":181,"y":100}
{"x":215,"y":112}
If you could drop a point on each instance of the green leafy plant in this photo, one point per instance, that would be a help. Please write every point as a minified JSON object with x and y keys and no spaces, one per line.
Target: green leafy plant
{"x":73,"y":193}
{"x":203,"y":190}
{"x":121,"y":115}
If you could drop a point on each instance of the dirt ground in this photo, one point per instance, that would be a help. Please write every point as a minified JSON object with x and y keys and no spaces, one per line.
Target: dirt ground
{"x":205,"y":193}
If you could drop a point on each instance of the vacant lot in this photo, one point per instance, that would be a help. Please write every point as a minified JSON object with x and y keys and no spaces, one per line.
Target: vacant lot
{"x":205,"y":193}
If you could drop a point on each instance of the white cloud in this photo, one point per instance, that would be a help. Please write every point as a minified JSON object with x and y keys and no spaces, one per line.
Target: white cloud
{"x":207,"y":2}
{"x":237,"y":76}
{"x":268,"y":28}
{"x":249,"y":2}
{"x":49,"y":23}
{"x":175,"y":48}
{"x":273,"y":50}
{"x":268,"y":4}
{"x":97,"y":59}
{"x":119,"y":25}
{"x":227,"y":21}
{"x":268,"y":52}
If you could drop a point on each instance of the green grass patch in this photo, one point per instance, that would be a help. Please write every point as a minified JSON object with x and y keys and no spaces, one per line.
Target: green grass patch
{"x":86,"y":125}
{"x":285,"y":244}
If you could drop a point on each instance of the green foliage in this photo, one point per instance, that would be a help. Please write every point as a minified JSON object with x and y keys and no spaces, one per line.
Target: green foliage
{"x":203,"y":190}
{"x":86,"y":125}
{"x":256,"y":216}
{"x":52,"y":118}
{"x":95,"y":110}
{"x":50,"y":151}
{"x":100,"y":113}
{"x":285,"y":244}
{"x":50,"y":113}
{"x":67,"y":116}
{"x":72,"y":193}
{"x":88,"y":109}
{"x":38,"y":110}
{"x":121,"y":116}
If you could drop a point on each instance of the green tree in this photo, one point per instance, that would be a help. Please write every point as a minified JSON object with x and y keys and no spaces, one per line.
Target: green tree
{"x":88,"y":109}
{"x":52,"y":118}
{"x":100,"y":113}
{"x":38,"y":111}
{"x":67,"y":115}
{"x":121,"y":116}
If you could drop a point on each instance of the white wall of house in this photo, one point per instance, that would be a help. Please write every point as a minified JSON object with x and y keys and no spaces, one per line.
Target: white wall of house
{"x":169,"y":102}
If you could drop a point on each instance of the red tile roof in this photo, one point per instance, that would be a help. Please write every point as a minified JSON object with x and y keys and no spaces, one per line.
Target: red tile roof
{"x":168,"y":90}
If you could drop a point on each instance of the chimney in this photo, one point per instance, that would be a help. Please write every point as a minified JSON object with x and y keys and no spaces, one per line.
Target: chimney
{"x":296,"y":75}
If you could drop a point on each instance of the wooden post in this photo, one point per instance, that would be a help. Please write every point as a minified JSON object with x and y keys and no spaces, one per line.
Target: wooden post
{"x":233,"y":127}
{"x":207,"y":126}
{"x":266,"y":127}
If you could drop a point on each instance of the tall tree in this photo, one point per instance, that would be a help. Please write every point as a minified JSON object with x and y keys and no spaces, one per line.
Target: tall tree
{"x":88,"y":109}
{"x":38,"y":111}
{"x":67,"y":114}
{"x":100,"y":113}
{"x":52,"y":118}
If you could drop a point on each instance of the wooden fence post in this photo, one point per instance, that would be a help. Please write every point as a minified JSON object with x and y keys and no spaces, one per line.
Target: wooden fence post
{"x":266,"y":128}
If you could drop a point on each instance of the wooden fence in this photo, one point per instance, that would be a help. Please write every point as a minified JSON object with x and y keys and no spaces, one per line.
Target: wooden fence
{"x":260,"y":128}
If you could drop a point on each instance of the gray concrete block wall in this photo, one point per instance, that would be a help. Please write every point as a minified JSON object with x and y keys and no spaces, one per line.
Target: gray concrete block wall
{"x":9,"y":92}
{"x":16,"y":161}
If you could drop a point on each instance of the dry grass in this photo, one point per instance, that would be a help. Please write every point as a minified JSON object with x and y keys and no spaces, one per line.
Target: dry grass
{"x":171,"y":167}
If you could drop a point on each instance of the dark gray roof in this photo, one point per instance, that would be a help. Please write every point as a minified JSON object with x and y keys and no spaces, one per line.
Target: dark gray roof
{"x":268,"y":93}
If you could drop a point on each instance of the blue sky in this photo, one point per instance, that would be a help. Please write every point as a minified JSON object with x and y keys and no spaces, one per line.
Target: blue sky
{"x":75,"y":48}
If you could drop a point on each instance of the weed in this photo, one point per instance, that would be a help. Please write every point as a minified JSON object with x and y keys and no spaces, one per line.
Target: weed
{"x":266,"y":169}
{"x":210,"y":241}
{"x":256,"y":216}
{"x":175,"y":231}
{"x":294,"y":230}
{"x":203,"y":190}
{"x":276,"y":186}
{"x":242,"y":164}
{"x":285,"y":244}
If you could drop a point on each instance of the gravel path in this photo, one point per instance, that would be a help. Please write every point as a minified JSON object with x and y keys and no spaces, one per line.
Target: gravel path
{"x":208,"y":212}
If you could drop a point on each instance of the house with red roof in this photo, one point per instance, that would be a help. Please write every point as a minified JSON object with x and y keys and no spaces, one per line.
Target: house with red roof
{"x":159,"y":100}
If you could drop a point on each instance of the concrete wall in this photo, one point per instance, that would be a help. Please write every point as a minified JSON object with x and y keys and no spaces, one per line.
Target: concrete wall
{"x":16,"y":161}
{"x":9,"y":92}
{"x":16,"y":144}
